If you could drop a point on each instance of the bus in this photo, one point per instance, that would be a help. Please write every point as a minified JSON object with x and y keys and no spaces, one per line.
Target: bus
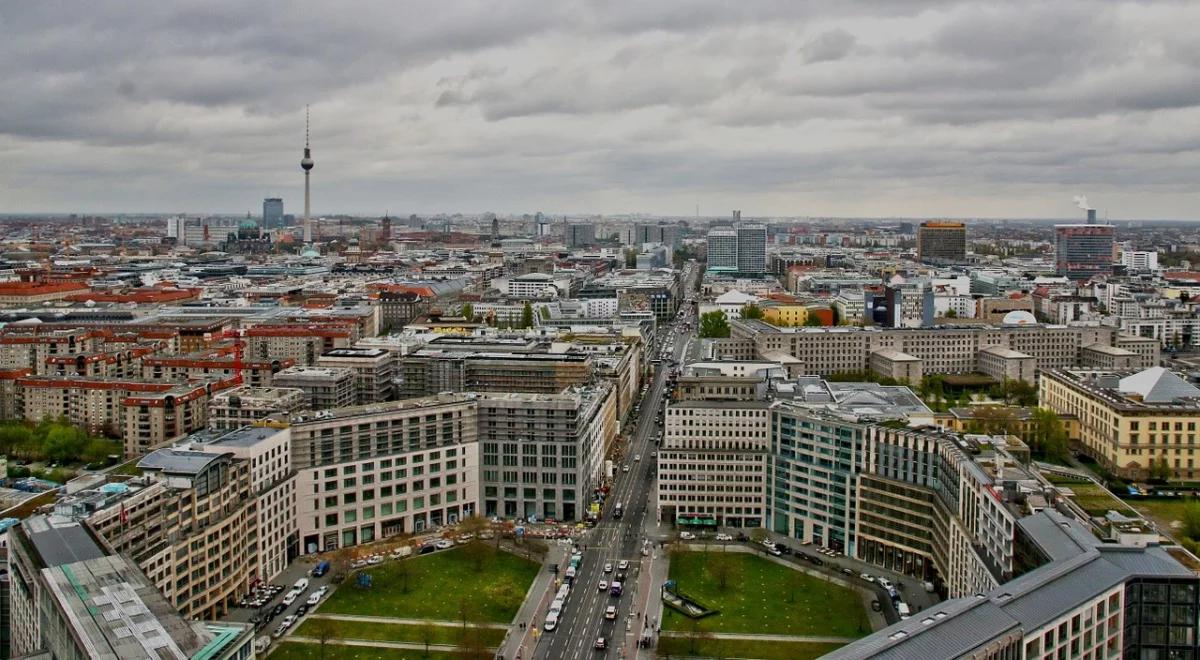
{"x":617,"y":511}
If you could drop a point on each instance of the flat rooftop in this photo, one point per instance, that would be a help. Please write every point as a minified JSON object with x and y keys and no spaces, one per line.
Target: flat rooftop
{"x":60,"y":541}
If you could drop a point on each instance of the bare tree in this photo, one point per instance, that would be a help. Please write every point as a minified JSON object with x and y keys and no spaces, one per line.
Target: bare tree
{"x":474,"y":643}
{"x":695,"y":635}
{"x":724,"y":568}
{"x":323,"y":630}
{"x":427,"y":633}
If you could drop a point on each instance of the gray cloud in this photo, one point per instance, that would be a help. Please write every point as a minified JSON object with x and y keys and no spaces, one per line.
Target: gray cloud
{"x":873,"y":108}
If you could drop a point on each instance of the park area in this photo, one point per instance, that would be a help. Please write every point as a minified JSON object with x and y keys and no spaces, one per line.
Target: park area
{"x":757,"y":596}
{"x":453,"y":601}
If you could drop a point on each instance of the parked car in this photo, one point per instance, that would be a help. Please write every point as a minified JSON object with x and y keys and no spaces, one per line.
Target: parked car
{"x":724,"y":537}
{"x":687,"y":536}
{"x":444,"y":544}
{"x":867,"y":577}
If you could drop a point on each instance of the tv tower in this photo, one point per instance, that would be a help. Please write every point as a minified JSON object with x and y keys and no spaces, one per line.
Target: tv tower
{"x":306,"y":164}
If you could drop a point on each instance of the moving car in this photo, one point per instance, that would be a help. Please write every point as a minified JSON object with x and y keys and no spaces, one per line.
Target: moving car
{"x":600,"y":644}
{"x":321,"y":569}
{"x":603,"y":585}
{"x":610,"y":612}
{"x":867,"y":577}
{"x":623,"y":565}
{"x":608,"y":568}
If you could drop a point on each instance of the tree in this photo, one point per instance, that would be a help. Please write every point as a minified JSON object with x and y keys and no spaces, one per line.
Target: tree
{"x":752,"y":311}
{"x":724,"y":568}
{"x":505,"y":594}
{"x":812,"y":321}
{"x":339,"y":565}
{"x":758,"y":535}
{"x":995,"y":420}
{"x":474,"y":643}
{"x":323,"y":630}
{"x":527,"y":315}
{"x":837,"y":315}
{"x":468,"y":311}
{"x":426,"y":633}
{"x":1047,"y":437}
{"x":631,"y":258}
{"x":1160,"y":470}
{"x":713,"y":325}
{"x":951,"y":314}
{"x":695,"y":635}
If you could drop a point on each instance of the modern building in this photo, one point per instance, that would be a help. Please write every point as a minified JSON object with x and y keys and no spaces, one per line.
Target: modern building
{"x":722,"y":249}
{"x":1130,"y":422}
{"x":242,"y":406}
{"x":712,"y":463}
{"x":374,"y":371}
{"x":1083,"y":251}
{"x":942,"y":242}
{"x":1080,"y":598}
{"x":268,"y":452}
{"x":272,"y":213}
{"x":580,"y":234}
{"x":189,"y":522}
{"x":751,"y":248}
{"x":325,"y":387}
{"x":1140,"y":261}
{"x":468,"y":364}
{"x":74,"y":598}
{"x":365,"y":473}
{"x":542,"y":455}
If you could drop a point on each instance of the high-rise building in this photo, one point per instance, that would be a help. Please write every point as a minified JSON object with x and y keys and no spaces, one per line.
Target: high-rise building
{"x":722,"y":249}
{"x":942,"y":242}
{"x":1083,"y":251}
{"x":580,"y":234}
{"x":652,"y":233}
{"x":751,"y":248}
{"x":272,"y":213}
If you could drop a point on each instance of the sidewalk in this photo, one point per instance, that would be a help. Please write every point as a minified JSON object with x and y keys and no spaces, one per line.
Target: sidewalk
{"x":520,"y":643}
{"x":820,"y":639}
{"x":407,"y":622}
{"x":373,"y":643}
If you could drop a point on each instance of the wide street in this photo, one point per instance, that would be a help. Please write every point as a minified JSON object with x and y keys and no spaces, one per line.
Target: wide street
{"x":611,"y":541}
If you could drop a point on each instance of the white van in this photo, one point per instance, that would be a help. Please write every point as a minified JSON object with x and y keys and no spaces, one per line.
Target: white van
{"x":903,"y":611}
{"x":551,"y":622}
{"x":301,"y":585}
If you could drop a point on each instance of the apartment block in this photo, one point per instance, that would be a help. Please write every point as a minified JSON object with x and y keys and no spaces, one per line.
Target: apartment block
{"x":326,"y":387}
{"x":368,"y":472}
{"x":374,"y":371}
{"x":465,"y":364}
{"x":304,"y":344}
{"x":273,"y":484}
{"x":242,"y":406}
{"x":29,"y":348}
{"x":1130,"y":422}
{"x":542,"y":455}
{"x":205,"y":365}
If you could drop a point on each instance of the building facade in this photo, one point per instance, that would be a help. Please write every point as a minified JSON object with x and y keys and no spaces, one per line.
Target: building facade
{"x":1083,"y":251}
{"x":942,"y":242}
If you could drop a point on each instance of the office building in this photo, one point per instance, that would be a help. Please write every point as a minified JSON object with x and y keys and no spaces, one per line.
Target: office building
{"x":74,"y":598}
{"x":1139,"y":261}
{"x":580,"y":234}
{"x":941,"y":349}
{"x":242,"y":406}
{"x":272,"y":213}
{"x":643,"y":292}
{"x":1130,"y":422}
{"x":542,"y":455}
{"x":712,"y":463}
{"x":942,"y":242}
{"x":374,"y":371}
{"x":469,"y":364}
{"x":325,"y":387}
{"x":1081,"y":599}
{"x":365,"y":473}
{"x":1083,"y":251}
{"x":642,"y":233}
{"x":751,"y":248}
{"x":180,"y":521}
{"x":722,"y":249}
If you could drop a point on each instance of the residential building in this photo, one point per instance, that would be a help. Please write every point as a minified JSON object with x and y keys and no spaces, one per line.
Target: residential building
{"x":1083,"y":251}
{"x":326,"y":387}
{"x":542,"y":455}
{"x":304,"y":344}
{"x":942,"y":242}
{"x":189,"y":523}
{"x":374,"y":371}
{"x":365,"y":473}
{"x":242,"y":406}
{"x":273,"y":484}
{"x":1130,"y":422}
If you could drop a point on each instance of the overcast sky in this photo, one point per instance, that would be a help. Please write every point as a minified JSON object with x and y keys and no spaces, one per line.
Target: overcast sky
{"x":881,"y":108}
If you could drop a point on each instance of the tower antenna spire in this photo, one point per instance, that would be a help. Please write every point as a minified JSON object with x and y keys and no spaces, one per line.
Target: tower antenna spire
{"x":306,"y":164}
{"x":305,"y":125}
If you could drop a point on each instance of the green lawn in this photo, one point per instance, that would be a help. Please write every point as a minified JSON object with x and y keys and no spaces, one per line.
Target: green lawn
{"x":1167,"y":512}
{"x":301,"y":651}
{"x":738,"y":648}
{"x":438,"y":585}
{"x":764,"y":597}
{"x":1092,"y":498}
{"x":396,"y":632}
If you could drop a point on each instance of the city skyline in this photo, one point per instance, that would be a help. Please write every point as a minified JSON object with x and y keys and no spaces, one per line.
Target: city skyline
{"x":873,"y":110}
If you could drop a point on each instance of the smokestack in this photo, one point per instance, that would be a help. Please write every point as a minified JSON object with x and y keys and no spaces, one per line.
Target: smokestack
{"x":1091,"y":216}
